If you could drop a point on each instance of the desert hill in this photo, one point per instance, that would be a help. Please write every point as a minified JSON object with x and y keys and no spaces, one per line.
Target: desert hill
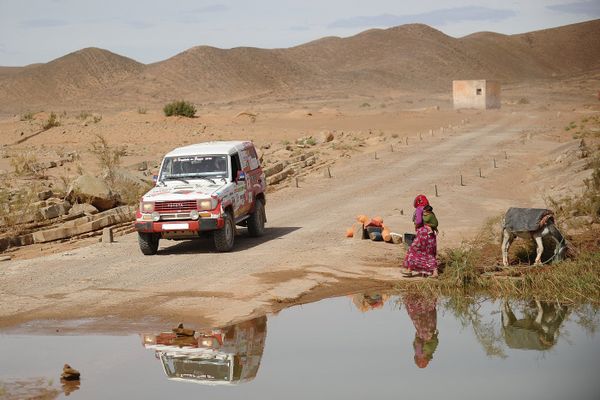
{"x":66,"y":79}
{"x":407,"y":57}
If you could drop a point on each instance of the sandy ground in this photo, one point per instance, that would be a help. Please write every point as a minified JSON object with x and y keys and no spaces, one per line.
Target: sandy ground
{"x":304,"y":255}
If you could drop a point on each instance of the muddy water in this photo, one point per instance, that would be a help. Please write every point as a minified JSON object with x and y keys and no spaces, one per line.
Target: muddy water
{"x":353,"y":347}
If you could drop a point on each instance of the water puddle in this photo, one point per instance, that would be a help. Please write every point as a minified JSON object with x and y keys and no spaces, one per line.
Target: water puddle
{"x":352,"y":347}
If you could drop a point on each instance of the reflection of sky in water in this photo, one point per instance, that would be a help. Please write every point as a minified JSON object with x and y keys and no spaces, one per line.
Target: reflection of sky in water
{"x":330,"y":350}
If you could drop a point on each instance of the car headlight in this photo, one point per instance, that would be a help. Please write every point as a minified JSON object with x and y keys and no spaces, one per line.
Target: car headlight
{"x":155,"y":216}
{"x":194,"y":214}
{"x":207,"y":204}
{"x":147,"y":206}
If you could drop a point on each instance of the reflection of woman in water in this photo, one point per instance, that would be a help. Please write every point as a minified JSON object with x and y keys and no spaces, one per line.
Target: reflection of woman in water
{"x":422,"y":311}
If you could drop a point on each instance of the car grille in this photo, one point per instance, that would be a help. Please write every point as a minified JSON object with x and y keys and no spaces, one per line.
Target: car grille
{"x":172,"y":207}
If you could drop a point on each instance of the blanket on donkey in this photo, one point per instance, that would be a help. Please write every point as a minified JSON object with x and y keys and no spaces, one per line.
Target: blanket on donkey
{"x":526,"y":219}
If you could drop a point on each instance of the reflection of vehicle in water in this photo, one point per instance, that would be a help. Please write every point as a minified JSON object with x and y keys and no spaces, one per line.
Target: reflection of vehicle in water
{"x":537,"y":329}
{"x":227,"y":355}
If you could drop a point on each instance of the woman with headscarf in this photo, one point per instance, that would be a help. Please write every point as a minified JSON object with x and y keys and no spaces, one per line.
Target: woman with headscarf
{"x":420,"y":258}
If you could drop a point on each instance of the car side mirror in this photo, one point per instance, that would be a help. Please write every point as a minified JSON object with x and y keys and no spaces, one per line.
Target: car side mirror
{"x":155,"y":179}
{"x":241,"y":176}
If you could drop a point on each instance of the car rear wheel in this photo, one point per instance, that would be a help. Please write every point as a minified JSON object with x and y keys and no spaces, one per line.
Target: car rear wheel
{"x":148,"y":243}
{"x":256,"y":221}
{"x":224,"y":238}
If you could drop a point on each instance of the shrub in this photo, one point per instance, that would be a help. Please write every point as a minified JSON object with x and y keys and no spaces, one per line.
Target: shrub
{"x":26,"y":164}
{"x":16,"y":206}
{"x":142,"y":110}
{"x":182,"y":108}
{"x":523,"y":100}
{"x":83,"y":115}
{"x":363,"y":105}
{"x":28,"y":116}
{"x":51,"y":122}
{"x":109,"y":158}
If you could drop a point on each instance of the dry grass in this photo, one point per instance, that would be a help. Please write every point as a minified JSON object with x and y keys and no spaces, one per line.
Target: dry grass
{"x":26,"y":164}
{"x":109,"y":158}
{"x":51,"y":122}
{"x":467,"y":271}
{"x":16,"y":206}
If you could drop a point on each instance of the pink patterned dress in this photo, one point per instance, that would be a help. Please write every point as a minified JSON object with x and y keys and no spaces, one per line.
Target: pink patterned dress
{"x":421,"y":254}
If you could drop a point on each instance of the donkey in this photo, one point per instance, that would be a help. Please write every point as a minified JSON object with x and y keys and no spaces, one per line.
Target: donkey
{"x":531,"y":223}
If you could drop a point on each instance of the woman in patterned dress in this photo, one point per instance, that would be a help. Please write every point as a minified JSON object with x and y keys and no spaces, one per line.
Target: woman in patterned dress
{"x":420,"y":258}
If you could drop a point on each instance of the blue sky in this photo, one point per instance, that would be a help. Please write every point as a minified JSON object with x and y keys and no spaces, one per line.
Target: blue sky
{"x":34,"y":31}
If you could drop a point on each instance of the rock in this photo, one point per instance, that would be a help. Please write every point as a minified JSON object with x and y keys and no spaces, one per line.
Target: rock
{"x":16,"y":241}
{"x":272,"y":170}
{"x":86,"y":224}
{"x":51,"y":211}
{"x":70,"y":374}
{"x":86,"y":209}
{"x":40,"y":204}
{"x":30,"y":216}
{"x":124,"y":176}
{"x":92,"y":190}
{"x":107,"y":235}
{"x":141,"y":166}
{"x":279,"y":176}
{"x":45,"y":194}
{"x":59,"y":208}
{"x":5,"y":258}
{"x":325,"y":137}
{"x":4,"y":243}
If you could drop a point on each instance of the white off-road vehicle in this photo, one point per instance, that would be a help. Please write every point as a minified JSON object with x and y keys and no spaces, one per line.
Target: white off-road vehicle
{"x":204,"y":189}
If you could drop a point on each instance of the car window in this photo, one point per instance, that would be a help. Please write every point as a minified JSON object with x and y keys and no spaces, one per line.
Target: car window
{"x":211,"y":166}
{"x":235,"y":165}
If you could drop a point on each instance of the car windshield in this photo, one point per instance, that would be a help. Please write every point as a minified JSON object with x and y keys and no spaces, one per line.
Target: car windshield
{"x":201,"y":369}
{"x":191,"y":167}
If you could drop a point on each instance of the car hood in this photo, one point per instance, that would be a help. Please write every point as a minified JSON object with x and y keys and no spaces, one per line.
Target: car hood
{"x":176,"y":192}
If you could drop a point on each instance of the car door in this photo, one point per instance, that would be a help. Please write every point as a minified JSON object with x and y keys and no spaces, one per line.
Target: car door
{"x":240,"y":196}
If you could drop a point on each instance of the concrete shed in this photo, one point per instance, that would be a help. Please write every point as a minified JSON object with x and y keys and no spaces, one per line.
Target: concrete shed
{"x":480,"y":94}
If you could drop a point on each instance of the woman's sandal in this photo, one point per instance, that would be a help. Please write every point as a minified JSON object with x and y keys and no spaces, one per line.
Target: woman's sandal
{"x":407,"y":273}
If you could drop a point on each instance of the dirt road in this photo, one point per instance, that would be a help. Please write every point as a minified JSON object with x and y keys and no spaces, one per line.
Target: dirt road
{"x":304,"y":254}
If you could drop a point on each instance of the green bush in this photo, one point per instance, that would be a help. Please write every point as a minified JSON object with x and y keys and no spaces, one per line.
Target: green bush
{"x":51,"y":122}
{"x":183,"y":108}
{"x":28,"y":116}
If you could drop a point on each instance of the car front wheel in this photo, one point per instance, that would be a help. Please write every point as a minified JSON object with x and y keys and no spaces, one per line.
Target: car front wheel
{"x":256,"y":221}
{"x":224,"y":237}
{"x":148,"y":243}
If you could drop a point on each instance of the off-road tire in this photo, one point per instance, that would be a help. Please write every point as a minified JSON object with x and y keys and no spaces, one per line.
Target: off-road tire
{"x":256,"y":221}
{"x":148,"y":243}
{"x":224,"y":238}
